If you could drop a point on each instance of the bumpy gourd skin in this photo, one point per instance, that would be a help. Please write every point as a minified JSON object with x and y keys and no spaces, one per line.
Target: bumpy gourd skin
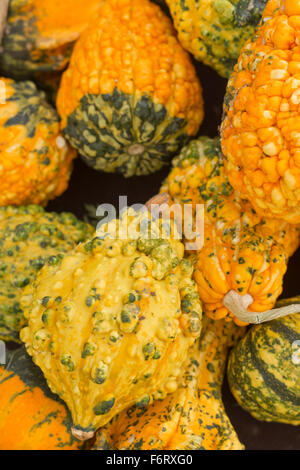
{"x":40,"y":34}
{"x":264,"y":371}
{"x":241,"y":251}
{"x":260,"y":130}
{"x":29,"y":236}
{"x":194,"y":416}
{"x":31,"y":417}
{"x":35,"y":159}
{"x":214,"y":31}
{"x":130,"y":97}
{"x":111,"y":325}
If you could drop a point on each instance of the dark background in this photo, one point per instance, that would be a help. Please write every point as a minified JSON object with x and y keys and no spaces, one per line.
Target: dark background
{"x":90,"y":187}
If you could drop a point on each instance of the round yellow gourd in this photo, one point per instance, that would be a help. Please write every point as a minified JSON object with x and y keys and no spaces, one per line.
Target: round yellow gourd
{"x":111,"y":325}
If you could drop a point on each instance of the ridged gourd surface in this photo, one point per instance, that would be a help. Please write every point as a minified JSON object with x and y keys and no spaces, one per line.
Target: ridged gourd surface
{"x":261,"y":125}
{"x":130,"y":97}
{"x":241,"y":251}
{"x":264,"y":371}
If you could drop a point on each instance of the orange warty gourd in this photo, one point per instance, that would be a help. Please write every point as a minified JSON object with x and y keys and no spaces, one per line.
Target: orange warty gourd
{"x":130,"y":98}
{"x":31,"y":416}
{"x":191,"y":418}
{"x":35,"y":159}
{"x":261,"y":128}
{"x":40,"y":34}
{"x":244,"y":256}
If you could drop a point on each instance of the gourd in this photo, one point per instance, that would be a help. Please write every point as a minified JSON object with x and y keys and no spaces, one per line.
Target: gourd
{"x":31,"y":417}
{"x":35,"y":159}
{"x":40,"y":34}
{"x":29,"y":239}
{"x":260,"y":130}
{"x":243,"y":257}
{"x":264,"y":371}
{"x":191,"y":418}
{"x":130,"y":97}
{"x":112,"y":323}
{"x":214,"y":31}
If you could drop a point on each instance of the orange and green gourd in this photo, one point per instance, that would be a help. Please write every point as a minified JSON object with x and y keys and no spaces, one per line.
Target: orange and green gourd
{"x":243,"y":255}
{"x":260,"y":133}
{"x":31,"y":416}
{"x":49,"y":82}
{"x":40,"y":34}
{"x":191,"y":418}
{"x":35,"y":159}
{"x":112,"y":323}
{"x":264,"y":370}
{"x":214,"y":31}
{"x":29,"y":239}
{"x":130,"y":97}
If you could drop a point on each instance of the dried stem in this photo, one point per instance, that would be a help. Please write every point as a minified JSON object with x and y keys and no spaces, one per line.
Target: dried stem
{"x":82,"y":435}
{"x":238,"y":304}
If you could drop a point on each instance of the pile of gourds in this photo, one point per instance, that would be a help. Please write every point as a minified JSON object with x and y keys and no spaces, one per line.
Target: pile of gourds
{"x":126,"y":333}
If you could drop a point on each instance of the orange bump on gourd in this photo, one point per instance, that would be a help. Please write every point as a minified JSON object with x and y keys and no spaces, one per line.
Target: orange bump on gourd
{"x":260,"y":133}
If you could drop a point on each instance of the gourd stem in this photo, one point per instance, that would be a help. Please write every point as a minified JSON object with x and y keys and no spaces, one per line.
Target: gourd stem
{"x":82,"y":435}
{"x":3,"y":17}
{"x":238,"y":304}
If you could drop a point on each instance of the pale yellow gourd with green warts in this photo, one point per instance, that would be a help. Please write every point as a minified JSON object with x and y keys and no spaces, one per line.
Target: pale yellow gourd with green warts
{"x":112,"y":324}
{"x":194,"y":416}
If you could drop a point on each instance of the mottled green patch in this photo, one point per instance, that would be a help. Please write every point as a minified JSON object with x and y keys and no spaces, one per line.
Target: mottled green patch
{"x":115,"y":136}
{"x":104,"y":407}
{"x":20,"y":56}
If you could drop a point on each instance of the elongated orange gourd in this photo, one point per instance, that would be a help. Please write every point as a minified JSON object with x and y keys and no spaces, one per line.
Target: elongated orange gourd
{"x":31,"y":417}
{"x":242,"y":254}
{"x":215,"y":30}
{"x":261,"y":127}
{"x":191,"y":418}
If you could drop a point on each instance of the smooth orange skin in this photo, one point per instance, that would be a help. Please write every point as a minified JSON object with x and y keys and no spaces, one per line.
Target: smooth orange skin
{"x":29,"y":420}
{"x":58,"y":23}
